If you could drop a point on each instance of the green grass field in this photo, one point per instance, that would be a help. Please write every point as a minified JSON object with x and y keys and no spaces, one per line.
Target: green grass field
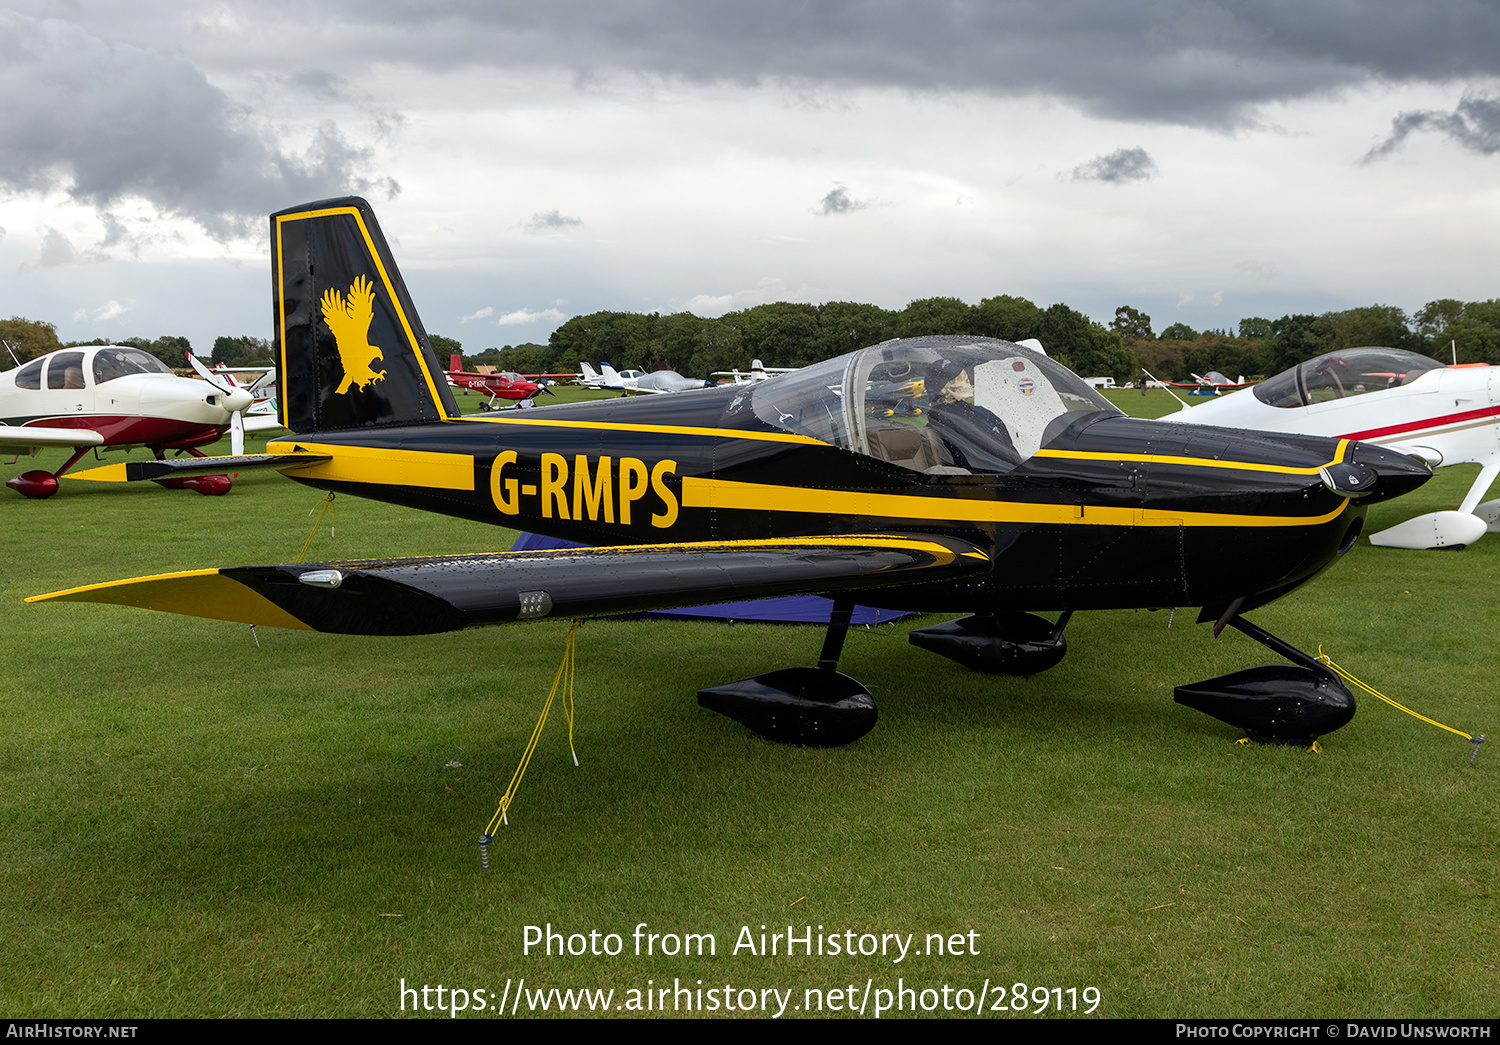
{"x":197,"y":826}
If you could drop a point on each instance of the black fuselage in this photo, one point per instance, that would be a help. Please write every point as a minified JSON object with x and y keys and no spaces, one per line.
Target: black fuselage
{"x":1114,"y":512}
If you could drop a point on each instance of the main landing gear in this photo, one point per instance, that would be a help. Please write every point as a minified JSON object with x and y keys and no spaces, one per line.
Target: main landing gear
{"x":208,"y":485}
{"x":998,"y":643}
{"x":38,"y":484}
{"x":821,"y":707}
{"x":1277,"y":703}
{"x":814,"y":707}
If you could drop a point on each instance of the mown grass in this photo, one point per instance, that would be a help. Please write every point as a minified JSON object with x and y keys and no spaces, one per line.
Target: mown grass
{"x":197,"y":826}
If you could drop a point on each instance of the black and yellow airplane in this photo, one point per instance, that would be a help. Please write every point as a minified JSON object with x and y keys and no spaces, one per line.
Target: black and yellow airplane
{"x":1013,"y":487}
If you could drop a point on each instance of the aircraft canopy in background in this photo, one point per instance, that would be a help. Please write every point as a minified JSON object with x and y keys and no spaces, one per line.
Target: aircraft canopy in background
{"x":1390,"y":397}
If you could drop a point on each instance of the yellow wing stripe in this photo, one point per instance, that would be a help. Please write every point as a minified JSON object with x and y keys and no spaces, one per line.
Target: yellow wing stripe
{"x":381,"y":466}
{"x":195,"y":593}
{"x":940,"y":553}
{"x":737,"y":496}
{"x":107,"y":473}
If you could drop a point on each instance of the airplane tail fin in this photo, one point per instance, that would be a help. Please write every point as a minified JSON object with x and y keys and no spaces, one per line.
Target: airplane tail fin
{"x":351,"y":350}
{"x":456,"y":363}
{"x":588,"y":372}
{"x":609,"y":373}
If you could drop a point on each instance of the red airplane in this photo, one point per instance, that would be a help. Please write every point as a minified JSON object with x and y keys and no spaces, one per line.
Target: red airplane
{"x":504,"y":384}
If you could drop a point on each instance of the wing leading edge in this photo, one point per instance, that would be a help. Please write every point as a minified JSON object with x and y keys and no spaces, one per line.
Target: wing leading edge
{"x":433,"y":594}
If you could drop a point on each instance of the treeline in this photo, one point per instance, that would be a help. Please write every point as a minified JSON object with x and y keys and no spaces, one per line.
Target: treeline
{"x":30,"y":338}
{"x":786,"y":334}
{"x":1262,"y":347}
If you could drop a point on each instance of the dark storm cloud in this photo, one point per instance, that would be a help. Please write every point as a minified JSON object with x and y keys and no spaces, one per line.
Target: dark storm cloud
{"x":104,"y":122}
{"x":1118,"y":167}
{"x":551,"y":220}
{"x":838,"y":201}
{"x":1474,"y":124}
{"x":1189,"y":61}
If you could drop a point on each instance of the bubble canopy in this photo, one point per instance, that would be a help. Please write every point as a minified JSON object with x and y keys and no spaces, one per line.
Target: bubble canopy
{"x":941,"y":405}
{"x":1338,"y":375}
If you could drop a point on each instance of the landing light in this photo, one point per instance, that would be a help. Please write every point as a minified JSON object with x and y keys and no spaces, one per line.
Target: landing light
{"x":322,"y":578}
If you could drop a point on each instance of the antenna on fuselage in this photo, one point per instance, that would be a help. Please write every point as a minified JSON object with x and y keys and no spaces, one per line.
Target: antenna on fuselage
{"x":11,"y":350}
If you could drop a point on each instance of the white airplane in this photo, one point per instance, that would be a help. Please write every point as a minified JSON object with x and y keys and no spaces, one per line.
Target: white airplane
{"x":1400,"y":400}
{"x":591,"y":378}
{"x":262,"y":387}
{"x":116,"y":397}
{"x":758,"y":372}
{"x":658,"y":381}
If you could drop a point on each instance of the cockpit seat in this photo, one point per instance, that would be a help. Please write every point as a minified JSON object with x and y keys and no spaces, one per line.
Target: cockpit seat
{"x":909,"y":446}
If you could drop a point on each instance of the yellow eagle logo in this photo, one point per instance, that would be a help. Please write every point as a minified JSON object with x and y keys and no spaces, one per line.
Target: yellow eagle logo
{"x":349,"y":319}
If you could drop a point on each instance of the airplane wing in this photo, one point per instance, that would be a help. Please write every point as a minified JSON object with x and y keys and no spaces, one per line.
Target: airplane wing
{"x":138,"y":471}
{"x":256,"y":423}
{"x":21,"y":438}
{"x":445,"y":593}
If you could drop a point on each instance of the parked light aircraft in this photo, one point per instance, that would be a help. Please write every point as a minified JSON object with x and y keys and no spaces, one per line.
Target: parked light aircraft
{"x":502,"y":385}
{"x":657,"y":381}
{"x":260,"y":415}
{"x":112,"y":396}
{"x":591,"y":378}
{"x":1388,"y":397}
{"x":1005,"y":496}
{"x":1211,"y":384}
{"x":758,"y":372}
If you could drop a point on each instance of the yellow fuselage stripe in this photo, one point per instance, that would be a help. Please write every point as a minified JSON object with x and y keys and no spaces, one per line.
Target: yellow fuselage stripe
{"x":620,"y":426}
{"x":381,"y":466}
{"x":736,"y":496}
{"x":1195,"y":462}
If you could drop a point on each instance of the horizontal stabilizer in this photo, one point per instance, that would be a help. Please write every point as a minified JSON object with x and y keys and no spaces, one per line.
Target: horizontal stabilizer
{"x":444,"y":593}
{"x":138,"y":471}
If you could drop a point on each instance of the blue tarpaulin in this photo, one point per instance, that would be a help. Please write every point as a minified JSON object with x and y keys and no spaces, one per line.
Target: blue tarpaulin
{"x":789,"y":609}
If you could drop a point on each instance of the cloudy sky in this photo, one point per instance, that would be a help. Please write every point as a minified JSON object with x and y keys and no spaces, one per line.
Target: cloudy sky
{"x":1203,"y":161}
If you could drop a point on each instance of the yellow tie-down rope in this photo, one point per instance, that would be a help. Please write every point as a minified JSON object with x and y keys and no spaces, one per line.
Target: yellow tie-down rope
{"x":1470,"y":737}
{"x":562,"y":680}
{"x":327,"y":504}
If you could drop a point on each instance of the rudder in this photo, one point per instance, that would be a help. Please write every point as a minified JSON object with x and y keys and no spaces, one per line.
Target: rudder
{"x":351,"y":349}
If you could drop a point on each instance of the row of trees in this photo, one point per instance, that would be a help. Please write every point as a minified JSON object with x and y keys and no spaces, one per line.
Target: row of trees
{"x":786,"y":334}
{"x":30,"y":338}
{"x":1442,"y":329}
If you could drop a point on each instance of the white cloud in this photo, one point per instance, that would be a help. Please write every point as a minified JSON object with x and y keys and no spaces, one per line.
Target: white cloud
{"x":525,"y":315}
{"x":109,"y":310}
{"x":483,"y":313}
